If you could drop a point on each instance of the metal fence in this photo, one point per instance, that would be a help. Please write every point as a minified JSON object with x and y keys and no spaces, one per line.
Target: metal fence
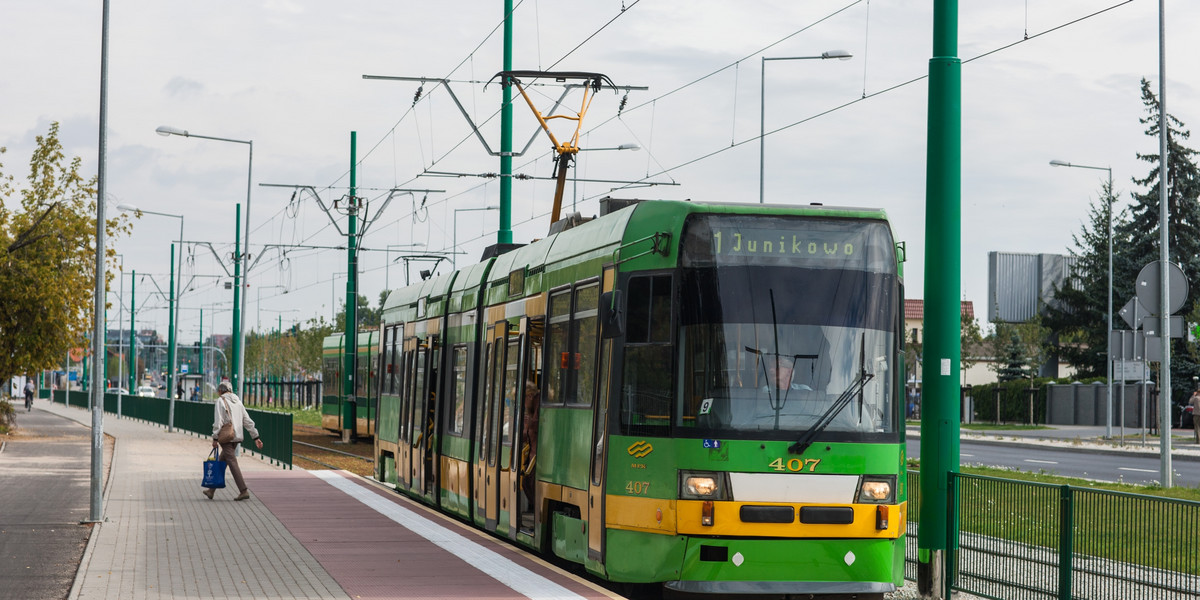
{"x":274,"y":428}
{"x":1022,"y":540}
{"x":290,"y":394}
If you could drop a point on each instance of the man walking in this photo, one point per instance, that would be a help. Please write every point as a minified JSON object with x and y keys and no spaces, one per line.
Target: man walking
{"x":230,"y":423}
{"x":1195,"y":402}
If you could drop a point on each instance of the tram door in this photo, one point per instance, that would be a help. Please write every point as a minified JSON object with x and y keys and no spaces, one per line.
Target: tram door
{"x":422,"y":416}
{"x":600,"y":438}
{"x":482,"y":437}
{"x":488,"y":479}
{"x":529,"y":390}
{"x":404,"y":466}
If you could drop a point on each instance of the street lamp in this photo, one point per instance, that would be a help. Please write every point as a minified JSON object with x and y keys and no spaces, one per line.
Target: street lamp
{"x":239,"y":307}
{"x":1108,"y":359}
{"x":172,"y":307}
{"x":454,"y":255}
{"x":762,"y":111}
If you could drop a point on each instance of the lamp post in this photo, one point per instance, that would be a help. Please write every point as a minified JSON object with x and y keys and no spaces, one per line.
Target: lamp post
{"x":454,"y":255}
{"x":239,"y":306}
{"x":172,"y":308}
{"x":1109,"y":312}
{"x":762,"y":111}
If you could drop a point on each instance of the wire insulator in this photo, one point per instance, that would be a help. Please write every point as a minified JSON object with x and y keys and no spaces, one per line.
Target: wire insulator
{"x":417,"y":96}
{"x":624,"y":100}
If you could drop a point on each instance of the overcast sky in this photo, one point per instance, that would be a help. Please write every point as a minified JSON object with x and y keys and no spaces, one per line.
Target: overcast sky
{"x":288,"y":75}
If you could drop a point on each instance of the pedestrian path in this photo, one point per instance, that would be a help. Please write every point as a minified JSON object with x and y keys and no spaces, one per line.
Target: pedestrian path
{"x":303,"y":534}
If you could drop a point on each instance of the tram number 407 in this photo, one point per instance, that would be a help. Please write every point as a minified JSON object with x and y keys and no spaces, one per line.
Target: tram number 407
{"x":795,"y":465}
{"x":637,"y":487}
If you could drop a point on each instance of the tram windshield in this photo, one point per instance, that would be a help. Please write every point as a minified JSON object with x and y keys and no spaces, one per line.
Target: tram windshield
{"x":769,"y":339}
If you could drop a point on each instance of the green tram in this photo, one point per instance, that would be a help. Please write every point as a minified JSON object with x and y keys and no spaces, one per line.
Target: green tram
{"x":333,"y":394}
{"x":706,"y":396}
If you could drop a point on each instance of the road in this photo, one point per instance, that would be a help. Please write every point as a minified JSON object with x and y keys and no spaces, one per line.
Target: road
{"x":45,"y":480}
{"x":1126,"y":468}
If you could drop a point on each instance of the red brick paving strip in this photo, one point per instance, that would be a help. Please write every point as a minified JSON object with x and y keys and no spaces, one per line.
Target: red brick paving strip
{"x":371,"y":556}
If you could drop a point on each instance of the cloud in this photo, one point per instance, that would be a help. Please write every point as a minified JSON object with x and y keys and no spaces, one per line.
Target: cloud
{"x":182,"y":87}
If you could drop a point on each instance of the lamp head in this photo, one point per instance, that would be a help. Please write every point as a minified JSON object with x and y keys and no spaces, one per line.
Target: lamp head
{"x":167,"y":130}
{"x":1059,"y":163}
{"x":127,"y":207}
{"x":838,"y":54}
{"x":634,"y":147}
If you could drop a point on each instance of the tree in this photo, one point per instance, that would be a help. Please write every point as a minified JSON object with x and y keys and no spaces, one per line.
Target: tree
{"x":47,"y":259}
{"x":1077,"y":314}
{"x":1183,"y":228}
{"x":368,"y":318}
{"x":1019,"y":349}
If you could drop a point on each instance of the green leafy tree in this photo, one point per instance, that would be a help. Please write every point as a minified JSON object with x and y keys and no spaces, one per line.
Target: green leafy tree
{"x":368,"y":318}
{"x":47,"y":258}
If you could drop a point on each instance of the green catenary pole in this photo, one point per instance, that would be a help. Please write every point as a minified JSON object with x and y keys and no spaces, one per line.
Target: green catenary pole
{"x":235,"y":374}
{"x":200,"y":352}
{"x":132,"y":334}
{"x":943,"y":308}
{"x":351,"y":322}
{"x":504,"y":233}
{"x":171,"y":339}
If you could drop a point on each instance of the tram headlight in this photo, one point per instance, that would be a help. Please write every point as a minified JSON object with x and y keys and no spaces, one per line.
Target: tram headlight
{"x":876,"y":489}
{"x":702,"y":486}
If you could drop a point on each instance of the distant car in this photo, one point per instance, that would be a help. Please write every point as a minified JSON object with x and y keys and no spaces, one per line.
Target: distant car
{"x":117,"y":390}
{"x":1185,"y":418}
{"x":147,"y":391}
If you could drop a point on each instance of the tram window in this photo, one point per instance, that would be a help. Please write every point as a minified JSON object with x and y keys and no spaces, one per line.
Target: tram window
{"x":397,"y":346}
{"x":584,"y":337}
{"x":419,"y":394}
{"x":649,"y":311}
{"x":460,"y":390}
{"x":512,"y":377}
{"x":646,"y":392}
{"x":558,"y":359}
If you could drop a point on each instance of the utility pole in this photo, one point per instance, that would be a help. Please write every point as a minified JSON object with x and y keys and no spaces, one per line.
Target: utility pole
{"x":504,"y":233}
{"x":132,"y":334}
{"x":943,"y":308}
{"x":171,"y":377}
{"x":236,"y":363}
{"x":349,"y":411}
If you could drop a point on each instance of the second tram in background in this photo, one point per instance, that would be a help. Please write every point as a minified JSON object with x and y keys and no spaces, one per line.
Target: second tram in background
{"x":366,"y":382}
{"x":700,"y":396}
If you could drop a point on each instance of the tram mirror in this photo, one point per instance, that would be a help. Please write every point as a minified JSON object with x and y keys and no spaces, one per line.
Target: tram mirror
{"x":612,"y":319}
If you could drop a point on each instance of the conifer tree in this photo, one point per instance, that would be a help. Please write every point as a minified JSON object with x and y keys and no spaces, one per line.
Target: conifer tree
{"x":1183,"y":228}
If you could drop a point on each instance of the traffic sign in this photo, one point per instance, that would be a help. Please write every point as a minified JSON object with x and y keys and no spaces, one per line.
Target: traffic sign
{"x":1133,"y":313}
{"x":1151,"y":325}
{"x":1149,"y":288}
{"x":183,"y":368}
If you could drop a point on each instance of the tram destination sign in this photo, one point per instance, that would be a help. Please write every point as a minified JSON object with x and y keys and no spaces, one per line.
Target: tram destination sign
{"x":836,"y":243}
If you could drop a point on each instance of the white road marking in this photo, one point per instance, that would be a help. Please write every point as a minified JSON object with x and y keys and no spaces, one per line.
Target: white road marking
{"x":520,"y":579}
{"x":1138,"y":470}
{"x":1042,"y":462}
{"x":966,"y":455}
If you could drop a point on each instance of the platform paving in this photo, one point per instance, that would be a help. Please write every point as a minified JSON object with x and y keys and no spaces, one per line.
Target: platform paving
{"x":303,"y":534}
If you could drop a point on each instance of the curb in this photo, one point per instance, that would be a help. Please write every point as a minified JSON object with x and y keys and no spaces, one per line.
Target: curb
{"x":1093,"y":449}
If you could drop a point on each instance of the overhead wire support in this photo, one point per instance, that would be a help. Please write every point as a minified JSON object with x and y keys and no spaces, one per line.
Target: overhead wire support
{"x":355,"y":204}
{"x":445,"y":83}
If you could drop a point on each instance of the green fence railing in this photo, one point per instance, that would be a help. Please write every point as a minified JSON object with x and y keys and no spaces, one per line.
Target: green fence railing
{"x":1021,"y":540}
{"x":275,"y":429}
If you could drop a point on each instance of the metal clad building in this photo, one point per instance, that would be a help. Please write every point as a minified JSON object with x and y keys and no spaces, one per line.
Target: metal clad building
{"x":1020,"y":284}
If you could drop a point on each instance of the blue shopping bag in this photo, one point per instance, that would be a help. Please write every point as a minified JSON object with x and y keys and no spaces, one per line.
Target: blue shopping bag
{"x":214,"y":471}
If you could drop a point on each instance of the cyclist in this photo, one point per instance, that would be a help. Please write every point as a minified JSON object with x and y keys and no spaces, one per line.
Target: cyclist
{"x":28,"y":395}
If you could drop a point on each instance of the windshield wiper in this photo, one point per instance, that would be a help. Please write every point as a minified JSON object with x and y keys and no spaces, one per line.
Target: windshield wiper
{"x":855,"y":389}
